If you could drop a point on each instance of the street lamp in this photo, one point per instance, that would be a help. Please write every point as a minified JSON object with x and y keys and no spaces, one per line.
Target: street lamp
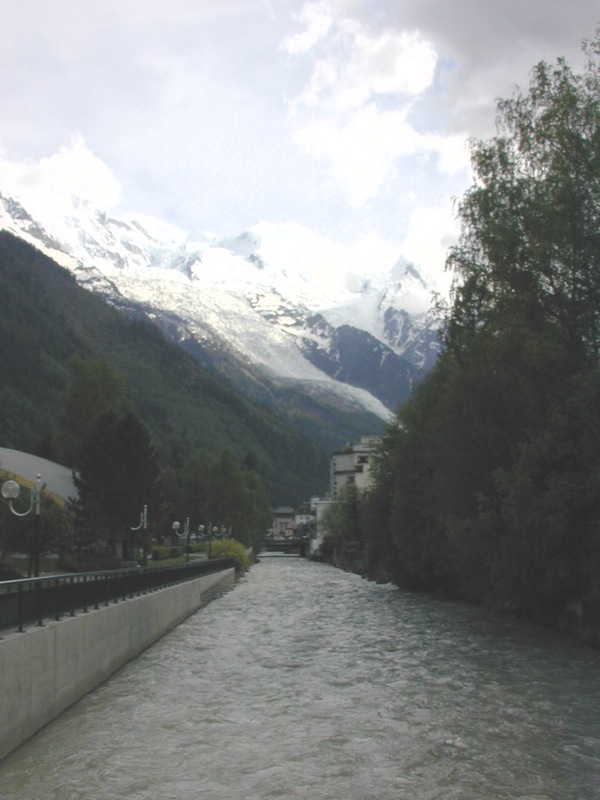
{"x":143,"y":524}
{"x":185,"y":535}
{"x":143,"y":521}
{"x":210,"y":532}
{"x":10,"y":491}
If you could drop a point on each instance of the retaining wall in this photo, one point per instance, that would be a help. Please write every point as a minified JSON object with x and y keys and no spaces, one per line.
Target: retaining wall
{"x":44,"y":670}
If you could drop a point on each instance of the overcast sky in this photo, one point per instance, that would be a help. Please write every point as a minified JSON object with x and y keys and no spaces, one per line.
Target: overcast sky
{"x":347,"y":116}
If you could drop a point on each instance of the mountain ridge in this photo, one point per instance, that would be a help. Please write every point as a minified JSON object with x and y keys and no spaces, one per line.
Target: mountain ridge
{"x":282,"y":302}
{"x":46,"y":318}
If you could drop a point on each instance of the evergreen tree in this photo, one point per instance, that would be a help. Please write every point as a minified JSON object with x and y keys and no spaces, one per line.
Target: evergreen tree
{"x":237,"y":500}
{"x":195,"y":481}
{"x":257,"y":515}
{"x":95,"y":388}
{"x":116,"y":479}
{"x":168,"y":502}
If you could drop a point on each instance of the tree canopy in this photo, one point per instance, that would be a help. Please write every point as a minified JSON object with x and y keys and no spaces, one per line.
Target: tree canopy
{"x":95,"y":387}
{"x":488,"y":484}
{"x":117,"y":476}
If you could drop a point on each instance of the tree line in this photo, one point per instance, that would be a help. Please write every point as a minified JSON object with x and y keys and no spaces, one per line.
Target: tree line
{"x":47,"y":320}
{"x":487,"y":483}
{"x":118,"y":473}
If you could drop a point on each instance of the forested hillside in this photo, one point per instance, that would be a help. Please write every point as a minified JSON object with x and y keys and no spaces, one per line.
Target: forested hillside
{"x":48,"y":323}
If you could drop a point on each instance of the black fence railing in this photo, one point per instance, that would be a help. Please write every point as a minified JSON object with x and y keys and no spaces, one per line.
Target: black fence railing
{"x":31,"y":601}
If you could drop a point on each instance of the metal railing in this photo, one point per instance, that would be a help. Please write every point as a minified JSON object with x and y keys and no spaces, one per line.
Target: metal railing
{"x":30,"y":601}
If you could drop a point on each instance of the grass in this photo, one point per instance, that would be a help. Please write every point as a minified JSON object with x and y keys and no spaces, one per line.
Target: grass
{"x":49,"y":566}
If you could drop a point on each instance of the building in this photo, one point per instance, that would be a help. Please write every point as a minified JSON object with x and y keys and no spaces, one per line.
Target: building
{"x":352,"y":465}
{"x":319,"y":507}
{"x":283,"y":522}
{"x":304,"y":516}
{"x":56,"y":479}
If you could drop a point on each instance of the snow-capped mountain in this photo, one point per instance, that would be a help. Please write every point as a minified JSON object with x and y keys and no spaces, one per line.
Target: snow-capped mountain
{"x":276,"y":300}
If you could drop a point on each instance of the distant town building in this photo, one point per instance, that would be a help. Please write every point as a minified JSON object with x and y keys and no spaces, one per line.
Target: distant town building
{"x":283,"y":521}
{"x":302,"y":519}
{"x":319,"y":506}
{"x":352,"y":465}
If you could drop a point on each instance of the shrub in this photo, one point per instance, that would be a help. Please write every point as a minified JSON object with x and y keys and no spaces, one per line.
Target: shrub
{"x":230,"y":548}
{"x":89,"y":562}
{"x":160,"y":551}
{"x":8,"y":572}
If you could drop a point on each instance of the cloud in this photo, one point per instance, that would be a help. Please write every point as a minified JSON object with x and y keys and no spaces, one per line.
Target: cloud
{"x":488,"y":47}
{"x":371,"y":146}
{"x":318,"y":18}
{"x":432,"y":229}
{"x":392,"y":63}
{"x":72,"y":171}
{"x":361,"y":151}
{"x":388,"y":82}
{"x":352,"y":66}
{"x":347,"y":116}
{"x":354,"y":112}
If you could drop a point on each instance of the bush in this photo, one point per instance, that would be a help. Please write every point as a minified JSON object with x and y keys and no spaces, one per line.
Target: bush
{"x":161,"y":551}
{"x":230,"y":548}
{"x":8,"y":572}
{"x":89,"y":562}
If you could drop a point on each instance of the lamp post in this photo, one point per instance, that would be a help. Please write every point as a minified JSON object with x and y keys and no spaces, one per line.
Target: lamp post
{"x":10,"y":491}
{"x":143,"y":524}
{"x":185,"y":535}
{"x":143,"y":521}
{"x":210,"y":532}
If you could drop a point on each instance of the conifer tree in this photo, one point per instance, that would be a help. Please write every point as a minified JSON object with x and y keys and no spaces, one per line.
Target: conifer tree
{"x":116,"y":479}
{"x":95,"y":388}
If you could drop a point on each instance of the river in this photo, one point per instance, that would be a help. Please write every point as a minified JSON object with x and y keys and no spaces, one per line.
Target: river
{"x":305,"y":682}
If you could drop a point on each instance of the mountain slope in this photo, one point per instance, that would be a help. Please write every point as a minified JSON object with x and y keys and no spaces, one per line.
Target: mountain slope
{"x":275,"y":303}
{"x":46,"y":318}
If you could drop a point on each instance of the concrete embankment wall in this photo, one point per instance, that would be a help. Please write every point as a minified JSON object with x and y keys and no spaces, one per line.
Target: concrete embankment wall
{"x":44,"y":670}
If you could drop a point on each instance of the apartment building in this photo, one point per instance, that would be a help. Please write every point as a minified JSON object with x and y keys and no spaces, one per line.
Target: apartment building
{"x":352,"y":465}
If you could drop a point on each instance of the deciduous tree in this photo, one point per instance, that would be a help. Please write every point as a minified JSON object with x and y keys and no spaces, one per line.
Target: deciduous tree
{"x":491,"y":468}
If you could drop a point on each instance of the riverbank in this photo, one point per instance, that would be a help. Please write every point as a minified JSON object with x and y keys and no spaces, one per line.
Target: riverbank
{"x":48,"y":668}
{"x":575,"y":619}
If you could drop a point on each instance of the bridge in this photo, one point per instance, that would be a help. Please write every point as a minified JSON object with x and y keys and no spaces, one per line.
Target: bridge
{"x":290,"y":545}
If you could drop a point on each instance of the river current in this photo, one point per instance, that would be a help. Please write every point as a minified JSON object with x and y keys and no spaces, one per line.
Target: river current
{"x":305,"y":682}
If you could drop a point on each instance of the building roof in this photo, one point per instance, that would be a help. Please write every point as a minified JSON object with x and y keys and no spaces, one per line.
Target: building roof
{"x":56,"y":478}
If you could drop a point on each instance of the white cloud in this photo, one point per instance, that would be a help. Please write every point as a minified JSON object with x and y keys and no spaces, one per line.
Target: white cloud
{"x":318,"y":17}
{"x":353,"y":113}
{"x":361,"y":152}
{"x":373,"y":252}
{"x":366,"y":150}
{"x":72,"y":171}
{"x":395,"y":62}
{"x":453,"y":153}
{"x":355,"y":65}
{"x":431,"y":231}
{"x":343,"y":115}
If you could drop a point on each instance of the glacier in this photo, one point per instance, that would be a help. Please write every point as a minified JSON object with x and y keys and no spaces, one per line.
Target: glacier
{"x":279,"y":299}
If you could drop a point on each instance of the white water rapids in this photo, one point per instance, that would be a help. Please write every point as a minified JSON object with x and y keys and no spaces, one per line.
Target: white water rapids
{"x":308,"y":683}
